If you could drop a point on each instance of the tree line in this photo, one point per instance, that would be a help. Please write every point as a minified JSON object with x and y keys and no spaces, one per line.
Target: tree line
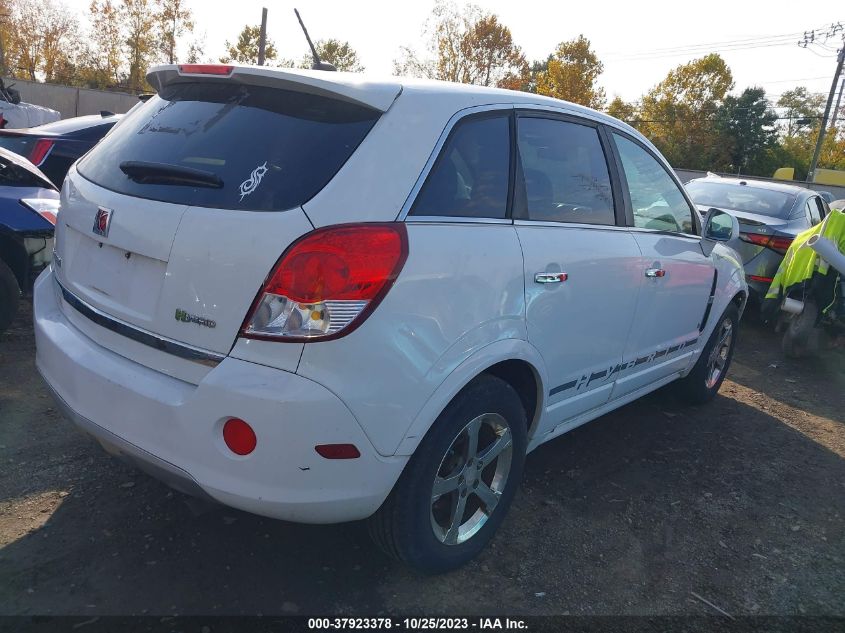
{"x":692,"y":115}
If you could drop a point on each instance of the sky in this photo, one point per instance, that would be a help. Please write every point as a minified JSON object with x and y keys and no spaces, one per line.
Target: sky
{"x":638,"y":42}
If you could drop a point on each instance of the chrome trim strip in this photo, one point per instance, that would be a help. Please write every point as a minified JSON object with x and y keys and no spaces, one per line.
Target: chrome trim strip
{"x":573,"y":225}
{"x":409,"y":201}
{"x":450,"y":219}
{"x":138,"y":335}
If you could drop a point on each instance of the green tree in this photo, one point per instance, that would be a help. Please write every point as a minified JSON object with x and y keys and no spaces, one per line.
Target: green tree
{"x":173,"y":20}
{"x":245,"y":48}
{"x":42,"y":35}
{"x":340,"y":54}
{"x":139,"y":22}
{"x":679,"y":113}
{"x":747,"y":123}
{"x":571,"y":74}
{"x":622,"y":110}
{"x":102,"y":56}
{"x":468,"y":46}
{"x":804,"y":110}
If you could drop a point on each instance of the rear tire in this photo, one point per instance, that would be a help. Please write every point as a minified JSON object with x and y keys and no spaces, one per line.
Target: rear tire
{"x":10,"y":294}
{"x":801,"y":336}
{"x":703,"y":382}
{"x":451,"y":497}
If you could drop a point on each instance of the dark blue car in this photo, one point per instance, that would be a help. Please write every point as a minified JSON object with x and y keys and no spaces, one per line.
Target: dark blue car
{"x":29,"y":203}
{"x":54,"y":147}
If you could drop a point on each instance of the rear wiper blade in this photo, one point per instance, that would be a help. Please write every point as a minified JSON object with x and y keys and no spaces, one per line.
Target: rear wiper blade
{"x":163,"y":174}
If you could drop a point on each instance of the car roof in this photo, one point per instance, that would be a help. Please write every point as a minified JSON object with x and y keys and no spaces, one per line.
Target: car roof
{"x":757,"y":184}
{"x":377,"y":92}
{"x":74,"y":124}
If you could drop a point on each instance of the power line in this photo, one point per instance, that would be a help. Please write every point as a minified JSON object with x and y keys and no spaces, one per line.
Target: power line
{"x":783,"y":39}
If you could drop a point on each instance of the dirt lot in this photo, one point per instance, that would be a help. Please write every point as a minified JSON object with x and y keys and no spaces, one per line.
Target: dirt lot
{"x":741,"y":502}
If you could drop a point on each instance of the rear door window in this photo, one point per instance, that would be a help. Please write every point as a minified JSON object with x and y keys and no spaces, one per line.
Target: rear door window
{"x":256,"y":148}
{"x":470,"y":177}
{"x":565,"y":173}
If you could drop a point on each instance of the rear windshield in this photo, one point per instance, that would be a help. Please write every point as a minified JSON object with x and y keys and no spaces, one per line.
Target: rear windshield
{"x":265,"y":149}
{"x":776,"y":204}
{"x":20,"y":145}
{"x":12,"y":175}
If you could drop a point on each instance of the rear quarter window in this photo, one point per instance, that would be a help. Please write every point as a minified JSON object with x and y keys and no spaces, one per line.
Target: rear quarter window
{"x":272,"y":149}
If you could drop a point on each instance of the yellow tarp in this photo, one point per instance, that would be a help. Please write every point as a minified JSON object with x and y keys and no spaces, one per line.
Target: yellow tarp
{"x":834,"y":177}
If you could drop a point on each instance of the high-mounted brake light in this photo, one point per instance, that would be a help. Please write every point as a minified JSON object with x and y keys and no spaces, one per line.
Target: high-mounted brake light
{"x":40,"y":150}
{"x":327,"y":282}
{"x":205,"y":69}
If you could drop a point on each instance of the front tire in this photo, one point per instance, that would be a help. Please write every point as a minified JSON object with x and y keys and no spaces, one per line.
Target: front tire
{"x":703,"y":382}
{"x":458,"y":486}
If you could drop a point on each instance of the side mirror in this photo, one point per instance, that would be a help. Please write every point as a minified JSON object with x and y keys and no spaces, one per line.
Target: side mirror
{"x":720,"y":226}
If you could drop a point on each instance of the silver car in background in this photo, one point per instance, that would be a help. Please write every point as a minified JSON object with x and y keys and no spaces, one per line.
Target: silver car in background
{"x":770,"y":215}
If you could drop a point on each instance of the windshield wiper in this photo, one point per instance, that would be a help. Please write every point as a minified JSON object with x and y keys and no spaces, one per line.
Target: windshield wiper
{"x":146,"y":173}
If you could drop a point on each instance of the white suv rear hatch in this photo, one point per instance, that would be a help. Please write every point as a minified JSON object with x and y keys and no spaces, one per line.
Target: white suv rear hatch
{"x":202,"y":188}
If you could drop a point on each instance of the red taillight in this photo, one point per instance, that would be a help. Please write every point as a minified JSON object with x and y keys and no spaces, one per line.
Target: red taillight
{"x":205,"y":69}
{"x":778,"y":244}
{"x":766,"y":280}
{"x":328,"y":281}
{"x":781,"y":244}
{"x":239,"y":436}
{"x":40,"y":150}
{"x":338,"y":451}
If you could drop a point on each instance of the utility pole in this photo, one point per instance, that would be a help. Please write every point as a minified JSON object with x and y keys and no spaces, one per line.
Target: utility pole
{"x":823,"y":128}
{"x":838,"y":101}
{"x":810,"y":38}
{"x":262,"y":38}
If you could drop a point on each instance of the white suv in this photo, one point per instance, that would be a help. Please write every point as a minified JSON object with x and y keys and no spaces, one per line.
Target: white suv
{"x":321,"y":298}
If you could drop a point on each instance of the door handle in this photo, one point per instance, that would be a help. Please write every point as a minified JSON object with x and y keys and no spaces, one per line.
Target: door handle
{"x":655,"y":272}
{"x":550,"y":278}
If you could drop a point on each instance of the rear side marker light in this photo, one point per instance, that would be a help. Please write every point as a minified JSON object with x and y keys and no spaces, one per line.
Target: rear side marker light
{"x":239,"y":436}
{"x":205,"y":69}
{"x":40,"y":150}
{"x":328,"y":282}
{"x":338,"y":451}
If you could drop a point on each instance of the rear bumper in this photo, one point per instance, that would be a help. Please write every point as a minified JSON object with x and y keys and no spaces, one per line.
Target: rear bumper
{"x":173,"y":429}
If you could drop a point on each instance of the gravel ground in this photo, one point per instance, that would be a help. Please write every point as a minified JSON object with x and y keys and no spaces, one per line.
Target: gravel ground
{"x":648,"y":510}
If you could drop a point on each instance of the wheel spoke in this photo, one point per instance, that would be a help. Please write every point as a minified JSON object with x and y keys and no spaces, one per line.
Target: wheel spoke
{"x":502,"y":442}
{"x":444,"y":485}
{"x":472,"y":438}
{"x":457,"y":519}
{"x":489,"y":498}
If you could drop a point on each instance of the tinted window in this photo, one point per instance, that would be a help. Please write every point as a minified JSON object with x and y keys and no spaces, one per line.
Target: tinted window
{"x":20,"y":145}
{"x":813,"y":210}
{"x":470,"y":177}
{"x":776,"y":204}
{"x":12,"y":175}
{"x":565,"y":173}
{"x":656,"y":200}
{"x":272,"y":149}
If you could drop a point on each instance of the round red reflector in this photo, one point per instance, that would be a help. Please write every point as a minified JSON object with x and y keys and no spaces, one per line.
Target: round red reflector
{"x":239,"y":436}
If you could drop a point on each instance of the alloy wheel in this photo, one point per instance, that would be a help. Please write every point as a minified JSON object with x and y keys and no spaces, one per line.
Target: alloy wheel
{"x":471,"y":479}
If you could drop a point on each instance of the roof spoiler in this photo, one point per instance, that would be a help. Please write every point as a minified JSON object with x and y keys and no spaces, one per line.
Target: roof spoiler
{"x":349,"y":87}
